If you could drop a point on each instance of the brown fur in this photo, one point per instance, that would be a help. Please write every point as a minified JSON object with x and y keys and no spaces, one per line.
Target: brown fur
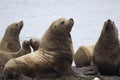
{"x":34,"y":42}
{"x":83,"y":56}
{"x":106,"y":54}
{"x":24,"y":50}
{"x":6,"y":56}
{"x":10,"y":41}
{"x":52,"y":59}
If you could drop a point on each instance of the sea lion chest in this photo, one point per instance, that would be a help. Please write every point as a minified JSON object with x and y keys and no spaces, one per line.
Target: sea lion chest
{"x":107,"y":62}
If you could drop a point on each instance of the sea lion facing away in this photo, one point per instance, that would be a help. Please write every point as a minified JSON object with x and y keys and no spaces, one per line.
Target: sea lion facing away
{"x":6,"y":56}
{"x":55,"y":54}
{"x":83,"y":56}
{"x":10,"y":41}
{"x":106,"y":54}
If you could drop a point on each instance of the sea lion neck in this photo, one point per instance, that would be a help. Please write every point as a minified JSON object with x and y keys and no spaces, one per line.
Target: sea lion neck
{"x":51,"y":42}
{"x":109,"y":35}
{"x":10,"y":44}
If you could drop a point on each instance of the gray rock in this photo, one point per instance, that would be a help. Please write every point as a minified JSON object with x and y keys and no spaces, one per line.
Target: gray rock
{"x":79,"y":75}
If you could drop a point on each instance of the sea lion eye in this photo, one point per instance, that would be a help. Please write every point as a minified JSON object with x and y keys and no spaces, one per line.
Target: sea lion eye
{"x":16,"y":24}
{"x":62,"y":22}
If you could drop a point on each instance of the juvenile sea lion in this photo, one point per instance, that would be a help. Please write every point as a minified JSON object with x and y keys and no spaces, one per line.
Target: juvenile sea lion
{"x":10,"y":41}
{"x":106,"y":54}
{"x":34,"y":42}
{"x":53,"y":58}
{"x":24,"y":50}
{"x":83,"y":56}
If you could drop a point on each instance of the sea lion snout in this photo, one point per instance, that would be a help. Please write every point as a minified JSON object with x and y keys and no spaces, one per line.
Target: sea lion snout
{"x":71,"y":19}
{"x":108,"y":20}
{"x":109,"y":25}
{"x":71,"y":22}
{"x":21,"y":24}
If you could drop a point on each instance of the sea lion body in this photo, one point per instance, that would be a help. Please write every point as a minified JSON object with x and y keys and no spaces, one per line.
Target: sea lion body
{"x":55,"y":54}
{"x":10,"y":41}
{"x":6,"y":56}
{"x":83,"y":56}
{"x":106,"y":54}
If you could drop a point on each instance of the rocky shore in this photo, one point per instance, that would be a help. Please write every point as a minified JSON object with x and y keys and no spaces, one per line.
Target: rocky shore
{"x":79,"y":76}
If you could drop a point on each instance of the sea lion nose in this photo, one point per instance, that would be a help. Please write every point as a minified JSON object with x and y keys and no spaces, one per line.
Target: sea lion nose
{"x":21,"y":23}
{"x":108,"y":20}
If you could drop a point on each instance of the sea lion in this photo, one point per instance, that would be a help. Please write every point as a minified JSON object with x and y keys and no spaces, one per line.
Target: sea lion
{"x":106,"y":54}
{"x":34,"y":42}
{"x":6,"y":56}
{"x":53,"y":58}
{"x":10,"y":41}
{"x":24,"y":50}
{"x":83,"y":56}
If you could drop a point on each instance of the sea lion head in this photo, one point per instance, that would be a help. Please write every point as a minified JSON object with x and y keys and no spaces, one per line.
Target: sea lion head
{"x":26,"y":44}
{"x":34,"y":44}
{"x":57,"y":35}
{"x":109,"y":33}
{"x":62,"y":25}
{"x":14,"y":28}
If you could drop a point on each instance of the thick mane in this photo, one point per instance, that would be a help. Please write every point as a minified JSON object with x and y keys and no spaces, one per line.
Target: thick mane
{"x":108,"y":37}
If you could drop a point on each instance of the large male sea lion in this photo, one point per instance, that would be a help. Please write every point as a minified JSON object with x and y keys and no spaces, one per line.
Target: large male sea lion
{"x":6,"y":56}
{"x":83,"y":56}
{"x":10,"y":41}
{"x":53,"y":58}
{"x":106,"y":54}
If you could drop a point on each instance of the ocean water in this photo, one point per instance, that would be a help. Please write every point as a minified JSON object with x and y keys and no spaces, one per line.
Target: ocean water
{"x":89,"y":17}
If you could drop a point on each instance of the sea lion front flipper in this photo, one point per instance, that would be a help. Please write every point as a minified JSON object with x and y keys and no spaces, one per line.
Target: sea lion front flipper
{"x":92,"y":70}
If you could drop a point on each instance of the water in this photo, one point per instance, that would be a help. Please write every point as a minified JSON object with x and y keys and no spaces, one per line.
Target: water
{"x":89,"y":17}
